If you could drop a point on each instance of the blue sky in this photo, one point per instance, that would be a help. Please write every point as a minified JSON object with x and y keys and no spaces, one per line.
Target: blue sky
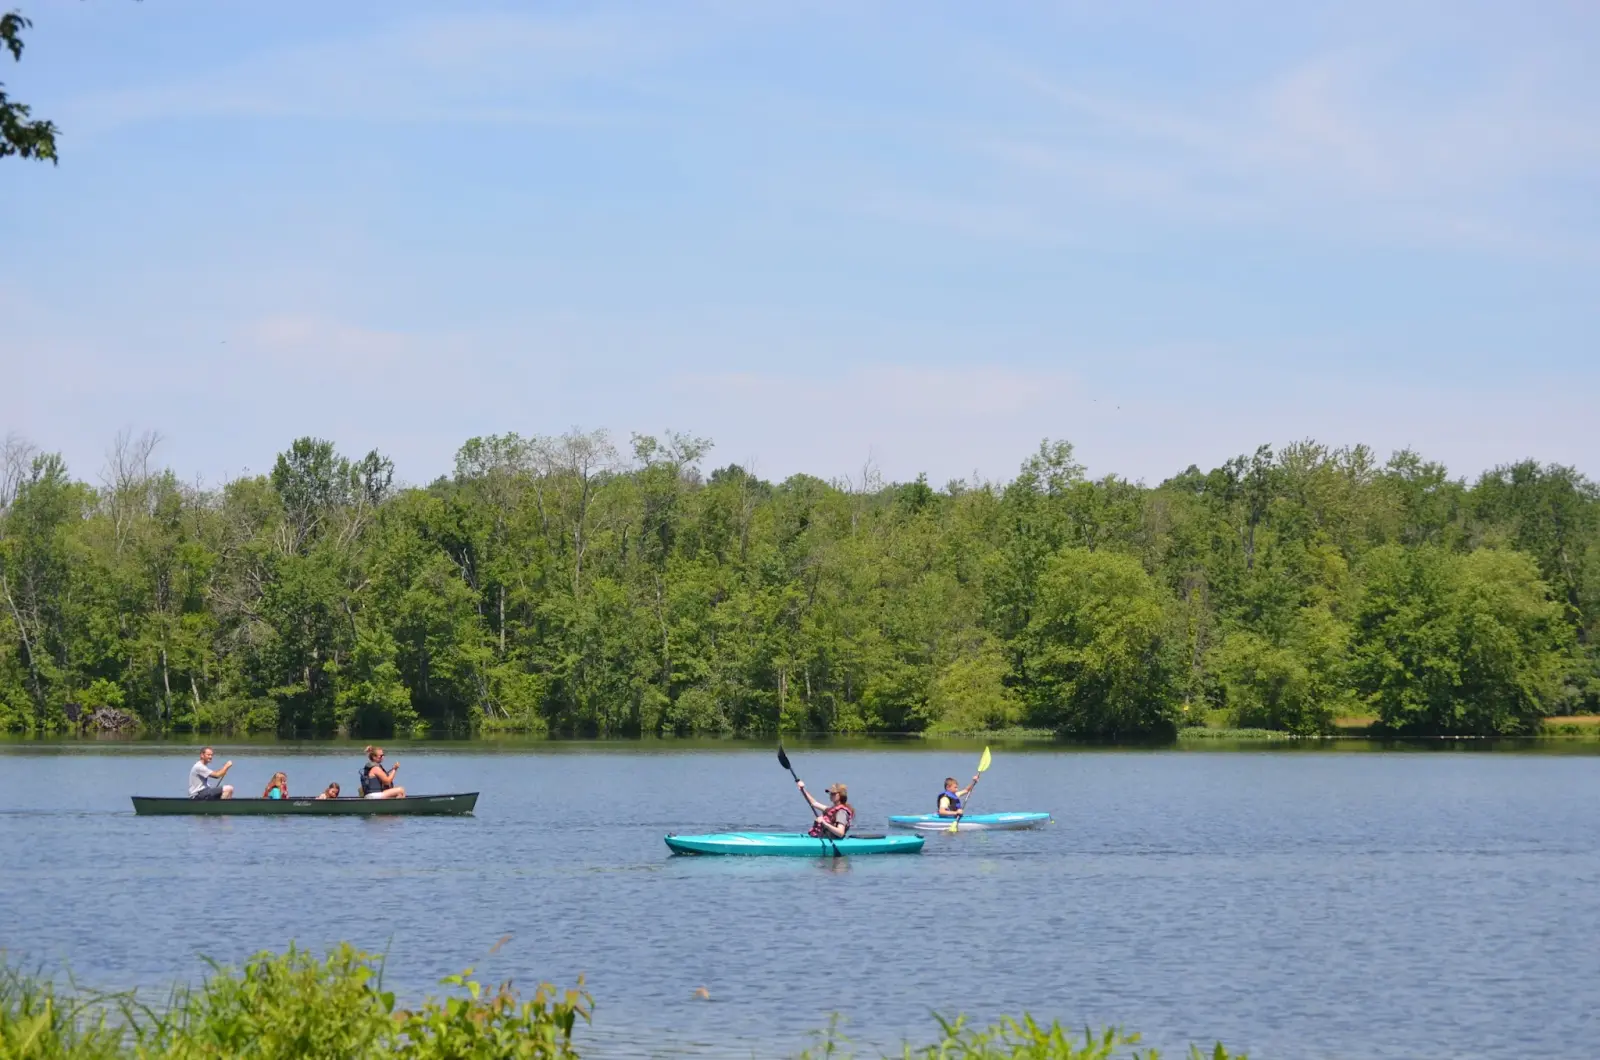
{"x":922,"y":235}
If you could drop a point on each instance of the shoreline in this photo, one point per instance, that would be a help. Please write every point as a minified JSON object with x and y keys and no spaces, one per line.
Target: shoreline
{"x":1565,"y":730}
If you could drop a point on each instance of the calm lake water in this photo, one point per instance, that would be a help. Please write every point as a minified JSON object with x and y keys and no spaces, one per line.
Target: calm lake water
{"x":1297,"y":904}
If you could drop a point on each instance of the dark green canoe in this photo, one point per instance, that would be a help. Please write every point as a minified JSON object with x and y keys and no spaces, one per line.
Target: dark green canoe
{"x":411,"y":805}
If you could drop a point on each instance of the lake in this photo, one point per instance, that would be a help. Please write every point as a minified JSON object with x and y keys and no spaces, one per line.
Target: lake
{"x":1293,"y":903}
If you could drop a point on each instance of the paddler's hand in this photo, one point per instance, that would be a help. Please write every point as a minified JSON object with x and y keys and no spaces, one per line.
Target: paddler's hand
{"x":800,"y":784}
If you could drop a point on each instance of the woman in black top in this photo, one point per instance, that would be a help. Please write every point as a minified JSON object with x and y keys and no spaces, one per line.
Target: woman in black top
{"x":377,"y":782}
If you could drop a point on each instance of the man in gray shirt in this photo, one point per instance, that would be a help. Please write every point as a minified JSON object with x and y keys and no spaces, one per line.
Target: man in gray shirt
{"x":205,"y":782}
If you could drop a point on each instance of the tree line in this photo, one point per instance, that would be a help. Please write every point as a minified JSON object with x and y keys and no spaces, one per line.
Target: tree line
{"x":559,"y":585}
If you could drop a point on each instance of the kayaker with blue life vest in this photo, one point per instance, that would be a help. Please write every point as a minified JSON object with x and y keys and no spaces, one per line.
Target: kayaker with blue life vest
{"x":950,"y":798}
{"x":832,"y":820}
{"x":376,"y":782}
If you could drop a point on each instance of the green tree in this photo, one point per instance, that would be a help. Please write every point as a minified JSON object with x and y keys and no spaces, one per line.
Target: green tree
{"x":37,"y":575}
{"x":1099,"y":658}
{"x":554,"y":585}
{"x":19,"y":134}
{"x":1451,"y":644}
{"x":1298,"y":684}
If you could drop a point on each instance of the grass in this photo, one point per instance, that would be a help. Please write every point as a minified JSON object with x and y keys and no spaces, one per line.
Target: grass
{"x":1206,"y":732}
{"x":1017,"y":1039}
{"x":1015,"y":732}
{"x":298,"y":1006}
{"x":1571,"y":727}
{"x":290,"y":1006}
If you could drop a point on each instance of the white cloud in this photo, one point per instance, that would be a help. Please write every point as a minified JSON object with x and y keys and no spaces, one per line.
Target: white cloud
{"x":1339,"y":143}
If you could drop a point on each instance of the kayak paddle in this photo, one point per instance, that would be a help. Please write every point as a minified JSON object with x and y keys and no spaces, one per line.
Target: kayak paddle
{"x":983,"y":764}
{"x":783,"y":760}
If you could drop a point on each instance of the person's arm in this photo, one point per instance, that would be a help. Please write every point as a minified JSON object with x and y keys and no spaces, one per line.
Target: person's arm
{"x":387,"y":778}
{"x":815,"y":805}
{"x":964,"y":792}
{"x":220,"y":773}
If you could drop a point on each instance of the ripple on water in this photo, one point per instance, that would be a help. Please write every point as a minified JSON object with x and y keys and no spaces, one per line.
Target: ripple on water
{"x":1305,"y":906}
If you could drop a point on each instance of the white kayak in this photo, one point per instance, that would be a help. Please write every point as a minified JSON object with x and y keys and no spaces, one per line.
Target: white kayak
{"x":972,"y":822}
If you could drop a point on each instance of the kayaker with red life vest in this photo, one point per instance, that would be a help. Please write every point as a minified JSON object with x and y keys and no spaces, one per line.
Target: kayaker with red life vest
{"x":950,"y":798}
{"x":833,"y":820}
{"x":376,"y":783}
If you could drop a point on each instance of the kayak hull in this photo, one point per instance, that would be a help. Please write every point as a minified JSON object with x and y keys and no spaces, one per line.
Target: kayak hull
{"x":791,"y":845}
{"x":411,"y":806}
{"x":972,"y":822}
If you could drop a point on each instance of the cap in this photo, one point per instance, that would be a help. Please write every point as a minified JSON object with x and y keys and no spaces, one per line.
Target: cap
{"x":838,"y":789}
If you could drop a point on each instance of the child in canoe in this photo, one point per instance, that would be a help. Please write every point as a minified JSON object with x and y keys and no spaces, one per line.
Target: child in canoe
{"x":834,"y":820}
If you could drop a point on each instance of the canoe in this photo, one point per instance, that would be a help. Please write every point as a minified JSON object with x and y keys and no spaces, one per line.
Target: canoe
{"x":410,"y":806}
{"x":972,"y":822}
{"x":792,"y":844}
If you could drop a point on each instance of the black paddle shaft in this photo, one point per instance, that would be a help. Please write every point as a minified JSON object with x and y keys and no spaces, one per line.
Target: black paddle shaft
{"x":783,"y":760}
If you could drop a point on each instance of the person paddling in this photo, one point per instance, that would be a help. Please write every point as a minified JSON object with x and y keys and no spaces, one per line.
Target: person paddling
{"x":376,"y":782}
{"x":205,"y":782}
{"x":833,"y":821}
{"x":951,"y":797}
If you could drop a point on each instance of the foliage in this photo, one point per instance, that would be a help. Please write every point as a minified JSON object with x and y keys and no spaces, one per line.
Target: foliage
{"x":1022,"y":1039}
{"x":37,"y":1023}
{"x":279,"y":1006}
{"x":20,"y":135}
{"x":290,"y":1006}
{"x":556,"y":585}
{"x":1297,"y":686}
{"x":1452,"y":644}
{"x":491,"y":1026}
{"x":1097,"y":656}
{"x":296,"y":1006}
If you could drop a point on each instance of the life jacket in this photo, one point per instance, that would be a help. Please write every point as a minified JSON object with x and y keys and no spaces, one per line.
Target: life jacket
{"x":831,"y":815}
{"x":955,"y":801}
{"x":370,"y":783}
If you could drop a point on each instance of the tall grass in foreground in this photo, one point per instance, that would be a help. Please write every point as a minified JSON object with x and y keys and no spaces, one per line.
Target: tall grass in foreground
{"x":296,"y":1006}
{"x":290,"y":1006}
{"x":1016,"y":1039}
{"x":38,"y":1024}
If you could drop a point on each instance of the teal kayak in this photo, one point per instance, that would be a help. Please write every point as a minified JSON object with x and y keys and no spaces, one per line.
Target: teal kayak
{"x":972,"y":822}
{"x":792,"y":844}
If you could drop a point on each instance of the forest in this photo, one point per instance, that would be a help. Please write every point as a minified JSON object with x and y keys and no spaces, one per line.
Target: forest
{"x":569,"y":586}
